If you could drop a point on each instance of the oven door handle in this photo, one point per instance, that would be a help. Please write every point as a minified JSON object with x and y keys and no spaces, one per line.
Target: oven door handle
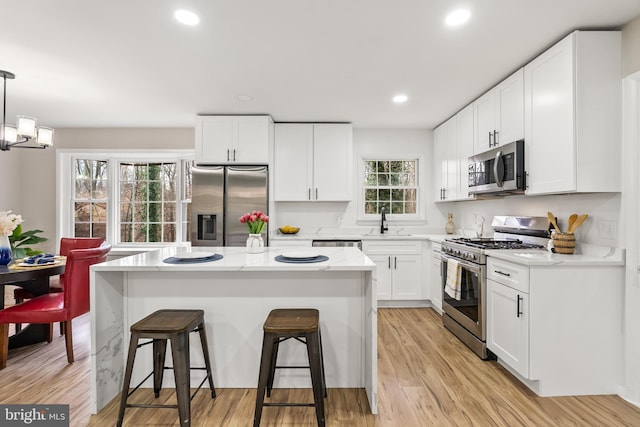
{"x":476,"y":268}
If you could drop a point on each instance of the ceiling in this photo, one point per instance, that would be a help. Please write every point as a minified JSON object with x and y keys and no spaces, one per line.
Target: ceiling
{"x":123,"y":63}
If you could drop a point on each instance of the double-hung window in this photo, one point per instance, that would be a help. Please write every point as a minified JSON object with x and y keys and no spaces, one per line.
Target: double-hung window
{"x":392,"y":184}
{"x":128,"y":198}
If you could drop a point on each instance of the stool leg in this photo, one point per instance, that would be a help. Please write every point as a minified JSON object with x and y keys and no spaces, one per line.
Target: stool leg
{"x":159,"y":355}
{"x":272,"y":368}
{"x":133,"y":343}
{"x":263,"y":376}
{"x":313,"y":351}
{"x":207,"y":361}
{"x":324,"y":380}
{"x":180,"y":354}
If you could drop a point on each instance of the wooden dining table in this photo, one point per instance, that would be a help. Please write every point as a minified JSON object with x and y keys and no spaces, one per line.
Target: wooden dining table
{"x":36,"y":280}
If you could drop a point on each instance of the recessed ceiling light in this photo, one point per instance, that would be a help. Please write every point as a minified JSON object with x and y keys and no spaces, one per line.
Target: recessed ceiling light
{"x":187,"y":17}
{"x":457,"y":17}
{"x":399,"y":99}
{"x":245,"y":97}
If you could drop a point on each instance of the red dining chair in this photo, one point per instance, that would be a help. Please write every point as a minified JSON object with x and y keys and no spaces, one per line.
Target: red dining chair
{"x":56,"y":307}
{"x":56,"y":284}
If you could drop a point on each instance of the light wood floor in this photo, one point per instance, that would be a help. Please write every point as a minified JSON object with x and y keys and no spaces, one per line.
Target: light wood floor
{"x":426,"y":378}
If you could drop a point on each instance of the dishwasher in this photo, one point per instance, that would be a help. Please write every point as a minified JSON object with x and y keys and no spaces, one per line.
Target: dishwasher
{"x":337,"y":243}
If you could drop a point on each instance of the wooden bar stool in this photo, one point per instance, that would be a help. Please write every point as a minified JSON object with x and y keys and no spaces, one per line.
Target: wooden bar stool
{"x":301,"y":324}
{"x":160,"y":326}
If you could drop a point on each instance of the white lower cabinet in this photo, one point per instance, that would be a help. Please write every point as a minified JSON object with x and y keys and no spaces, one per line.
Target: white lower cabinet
{"x":435,"y":277}
{"x":508,"y":333}
{"x":557,"y":327}
{"x":399,"y":268}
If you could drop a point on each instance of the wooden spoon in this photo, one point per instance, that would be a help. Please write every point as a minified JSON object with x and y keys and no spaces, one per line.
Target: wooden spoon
{"x":578,"y":223}
{"x":552,"y":219}
{"x":572,"y":220}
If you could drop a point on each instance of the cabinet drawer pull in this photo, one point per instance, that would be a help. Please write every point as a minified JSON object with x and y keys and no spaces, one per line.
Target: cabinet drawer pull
{"x":395,"y":262}
{"x":316,"y":194}
{"x":234,"y":154}
{"x":502,"y":273}
{"x":389,"y":262}
{"x":309,"y":194}
{"x":495,"y":138}
{"x":227,"y":154}
{"x":518,"y":312}
{"x":490,"y":143}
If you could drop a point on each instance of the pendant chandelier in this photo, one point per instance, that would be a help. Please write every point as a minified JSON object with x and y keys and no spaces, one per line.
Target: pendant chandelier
{"x":25,"y":128}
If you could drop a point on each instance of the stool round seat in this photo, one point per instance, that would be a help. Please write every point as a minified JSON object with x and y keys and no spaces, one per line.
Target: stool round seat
{"x":162,"y":326}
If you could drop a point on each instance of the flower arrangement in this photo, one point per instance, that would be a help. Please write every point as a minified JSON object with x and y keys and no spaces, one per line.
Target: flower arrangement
{"x":256,"y":221}
{"x":9,"y":222}
{"x":11,"y":227}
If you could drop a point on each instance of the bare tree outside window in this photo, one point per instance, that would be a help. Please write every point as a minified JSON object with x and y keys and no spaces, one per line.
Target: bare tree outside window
{"x":392,"y":184}
{"x":148,"y":202}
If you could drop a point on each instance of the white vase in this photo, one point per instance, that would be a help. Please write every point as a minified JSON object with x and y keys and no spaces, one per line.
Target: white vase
{"x":5,"y":250}
{"x":255,"y":244}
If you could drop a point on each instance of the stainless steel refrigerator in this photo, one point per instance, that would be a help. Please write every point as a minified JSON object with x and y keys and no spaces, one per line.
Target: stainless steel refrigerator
{"x":219,"y":196}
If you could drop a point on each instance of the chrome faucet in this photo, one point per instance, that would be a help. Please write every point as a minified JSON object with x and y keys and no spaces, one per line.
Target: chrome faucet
{"x":383,"y":221}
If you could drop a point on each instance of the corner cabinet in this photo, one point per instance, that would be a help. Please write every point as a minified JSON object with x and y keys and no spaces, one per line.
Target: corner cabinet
{"x":453,"y":145}
{"x":557,"y":328}
{"x":399,"y":268}
{"x":233,"y":139}
{"x":313,"y":162}
{"x":499,"y":114}
{"x":573,"y":115}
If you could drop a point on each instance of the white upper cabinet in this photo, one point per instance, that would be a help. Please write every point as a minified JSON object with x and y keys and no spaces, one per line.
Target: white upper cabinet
{"x":233,"y":139}
{"x":313,"y":162}
{"x":453,"y":145}
{"x":499,"y":114}
{"x":464,"y":149}
{"x":573,"y":115}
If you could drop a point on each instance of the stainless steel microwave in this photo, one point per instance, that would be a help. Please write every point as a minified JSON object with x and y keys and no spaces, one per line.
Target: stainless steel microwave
{"x":499,"y":171}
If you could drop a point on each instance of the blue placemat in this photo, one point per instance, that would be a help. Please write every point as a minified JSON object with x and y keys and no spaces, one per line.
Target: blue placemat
{"x":174,"y":260}
{"x":319,"y":258}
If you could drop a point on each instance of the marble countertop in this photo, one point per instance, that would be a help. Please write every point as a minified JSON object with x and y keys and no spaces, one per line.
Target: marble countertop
{"x":585,"y":256}
{"x":237,"y":259}
{"x":373,"y":233}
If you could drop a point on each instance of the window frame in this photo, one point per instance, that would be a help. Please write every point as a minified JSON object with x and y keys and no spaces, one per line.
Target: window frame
{"x":406,"y":219}
{"x":65,"y":185}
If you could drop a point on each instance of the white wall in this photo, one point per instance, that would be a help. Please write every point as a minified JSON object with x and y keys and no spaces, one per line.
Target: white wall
{"x":602,"y":209}
{"x":312,"y":215}
{"x":10,"y":176}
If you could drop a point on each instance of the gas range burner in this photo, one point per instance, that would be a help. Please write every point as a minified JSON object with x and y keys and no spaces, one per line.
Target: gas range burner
{"x":488,"y":243}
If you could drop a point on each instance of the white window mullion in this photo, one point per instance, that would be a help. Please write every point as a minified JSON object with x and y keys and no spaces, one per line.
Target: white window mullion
{"x":113,"y":223}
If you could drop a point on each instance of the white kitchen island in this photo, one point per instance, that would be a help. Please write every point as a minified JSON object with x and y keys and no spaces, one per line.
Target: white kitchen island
{"x":236,"y":293}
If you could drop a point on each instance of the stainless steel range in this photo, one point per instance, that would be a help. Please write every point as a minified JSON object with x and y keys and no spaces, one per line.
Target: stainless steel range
{"x":465,"y":306}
